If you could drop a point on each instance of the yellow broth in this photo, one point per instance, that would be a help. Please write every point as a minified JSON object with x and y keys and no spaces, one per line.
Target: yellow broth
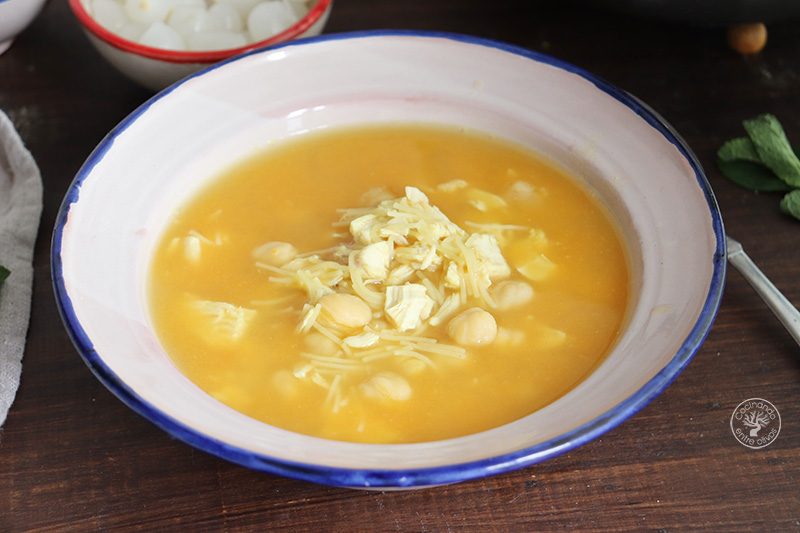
{"x":295,"y":191}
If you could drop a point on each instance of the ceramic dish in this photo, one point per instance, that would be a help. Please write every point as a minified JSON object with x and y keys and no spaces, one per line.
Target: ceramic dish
{"x":155,"y":68}
{"x":174,"y":143}
{"x":15,"y":16}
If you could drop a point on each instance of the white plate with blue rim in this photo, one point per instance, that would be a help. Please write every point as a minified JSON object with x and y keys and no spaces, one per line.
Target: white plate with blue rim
{"x":173,"y":144}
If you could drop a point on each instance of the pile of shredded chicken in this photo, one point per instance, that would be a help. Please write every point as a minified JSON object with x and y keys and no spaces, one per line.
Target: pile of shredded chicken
{"x":403,"y":270}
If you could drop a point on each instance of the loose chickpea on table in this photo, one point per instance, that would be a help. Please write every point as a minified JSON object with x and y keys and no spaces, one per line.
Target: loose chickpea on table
{"x":747,"y":38}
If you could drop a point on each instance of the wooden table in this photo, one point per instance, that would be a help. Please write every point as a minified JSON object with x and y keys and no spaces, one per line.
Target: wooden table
{"x":73,"y":457}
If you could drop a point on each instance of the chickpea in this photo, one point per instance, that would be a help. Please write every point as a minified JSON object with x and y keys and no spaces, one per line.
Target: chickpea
{"x":747,"y":38}
{"x":386,"y":385}
{"x":320,"y":344}
{"x":345,"y":310}
{"x":511,"y":294}
{"x":275,"y":253}
{"x":285,"y":383}
{"x":472,"y":327}
{"x":413,"y":367}
{"x":376,"y":196}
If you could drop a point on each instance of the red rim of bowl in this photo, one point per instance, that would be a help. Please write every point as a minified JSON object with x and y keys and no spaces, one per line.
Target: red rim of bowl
{"x":210,"y":56}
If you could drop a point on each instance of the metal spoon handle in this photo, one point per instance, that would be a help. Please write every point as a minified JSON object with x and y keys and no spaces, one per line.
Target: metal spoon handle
{"x":777,"y":302}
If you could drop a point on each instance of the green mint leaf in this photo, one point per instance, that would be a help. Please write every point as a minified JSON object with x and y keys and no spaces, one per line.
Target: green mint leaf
{"x":752,"y":176}
{"x":4,"y":273}
{"x":773,"y":148}
{"x":739,"y":149}
{"x":791,"y":204}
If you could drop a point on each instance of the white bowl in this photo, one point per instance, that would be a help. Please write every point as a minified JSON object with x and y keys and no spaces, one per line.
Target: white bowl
{"x":15,"y":16}
{"x":155,"y":68}
{"x":172,"y":144}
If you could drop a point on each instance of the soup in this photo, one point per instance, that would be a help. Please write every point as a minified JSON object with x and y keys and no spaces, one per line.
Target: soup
{"x":390,"y":284}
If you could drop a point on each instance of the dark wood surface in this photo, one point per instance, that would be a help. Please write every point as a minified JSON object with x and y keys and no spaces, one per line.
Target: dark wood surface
{"x":73,"y":457}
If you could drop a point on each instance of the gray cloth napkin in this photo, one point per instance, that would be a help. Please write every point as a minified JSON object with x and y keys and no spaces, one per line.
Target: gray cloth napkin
{"x":20,"y":211}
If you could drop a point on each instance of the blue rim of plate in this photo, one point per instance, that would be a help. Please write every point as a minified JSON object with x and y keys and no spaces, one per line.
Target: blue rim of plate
{"x":413,"y":478}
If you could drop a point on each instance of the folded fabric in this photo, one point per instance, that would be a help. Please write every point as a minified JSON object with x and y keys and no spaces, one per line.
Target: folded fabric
{"x":20,"y":211}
